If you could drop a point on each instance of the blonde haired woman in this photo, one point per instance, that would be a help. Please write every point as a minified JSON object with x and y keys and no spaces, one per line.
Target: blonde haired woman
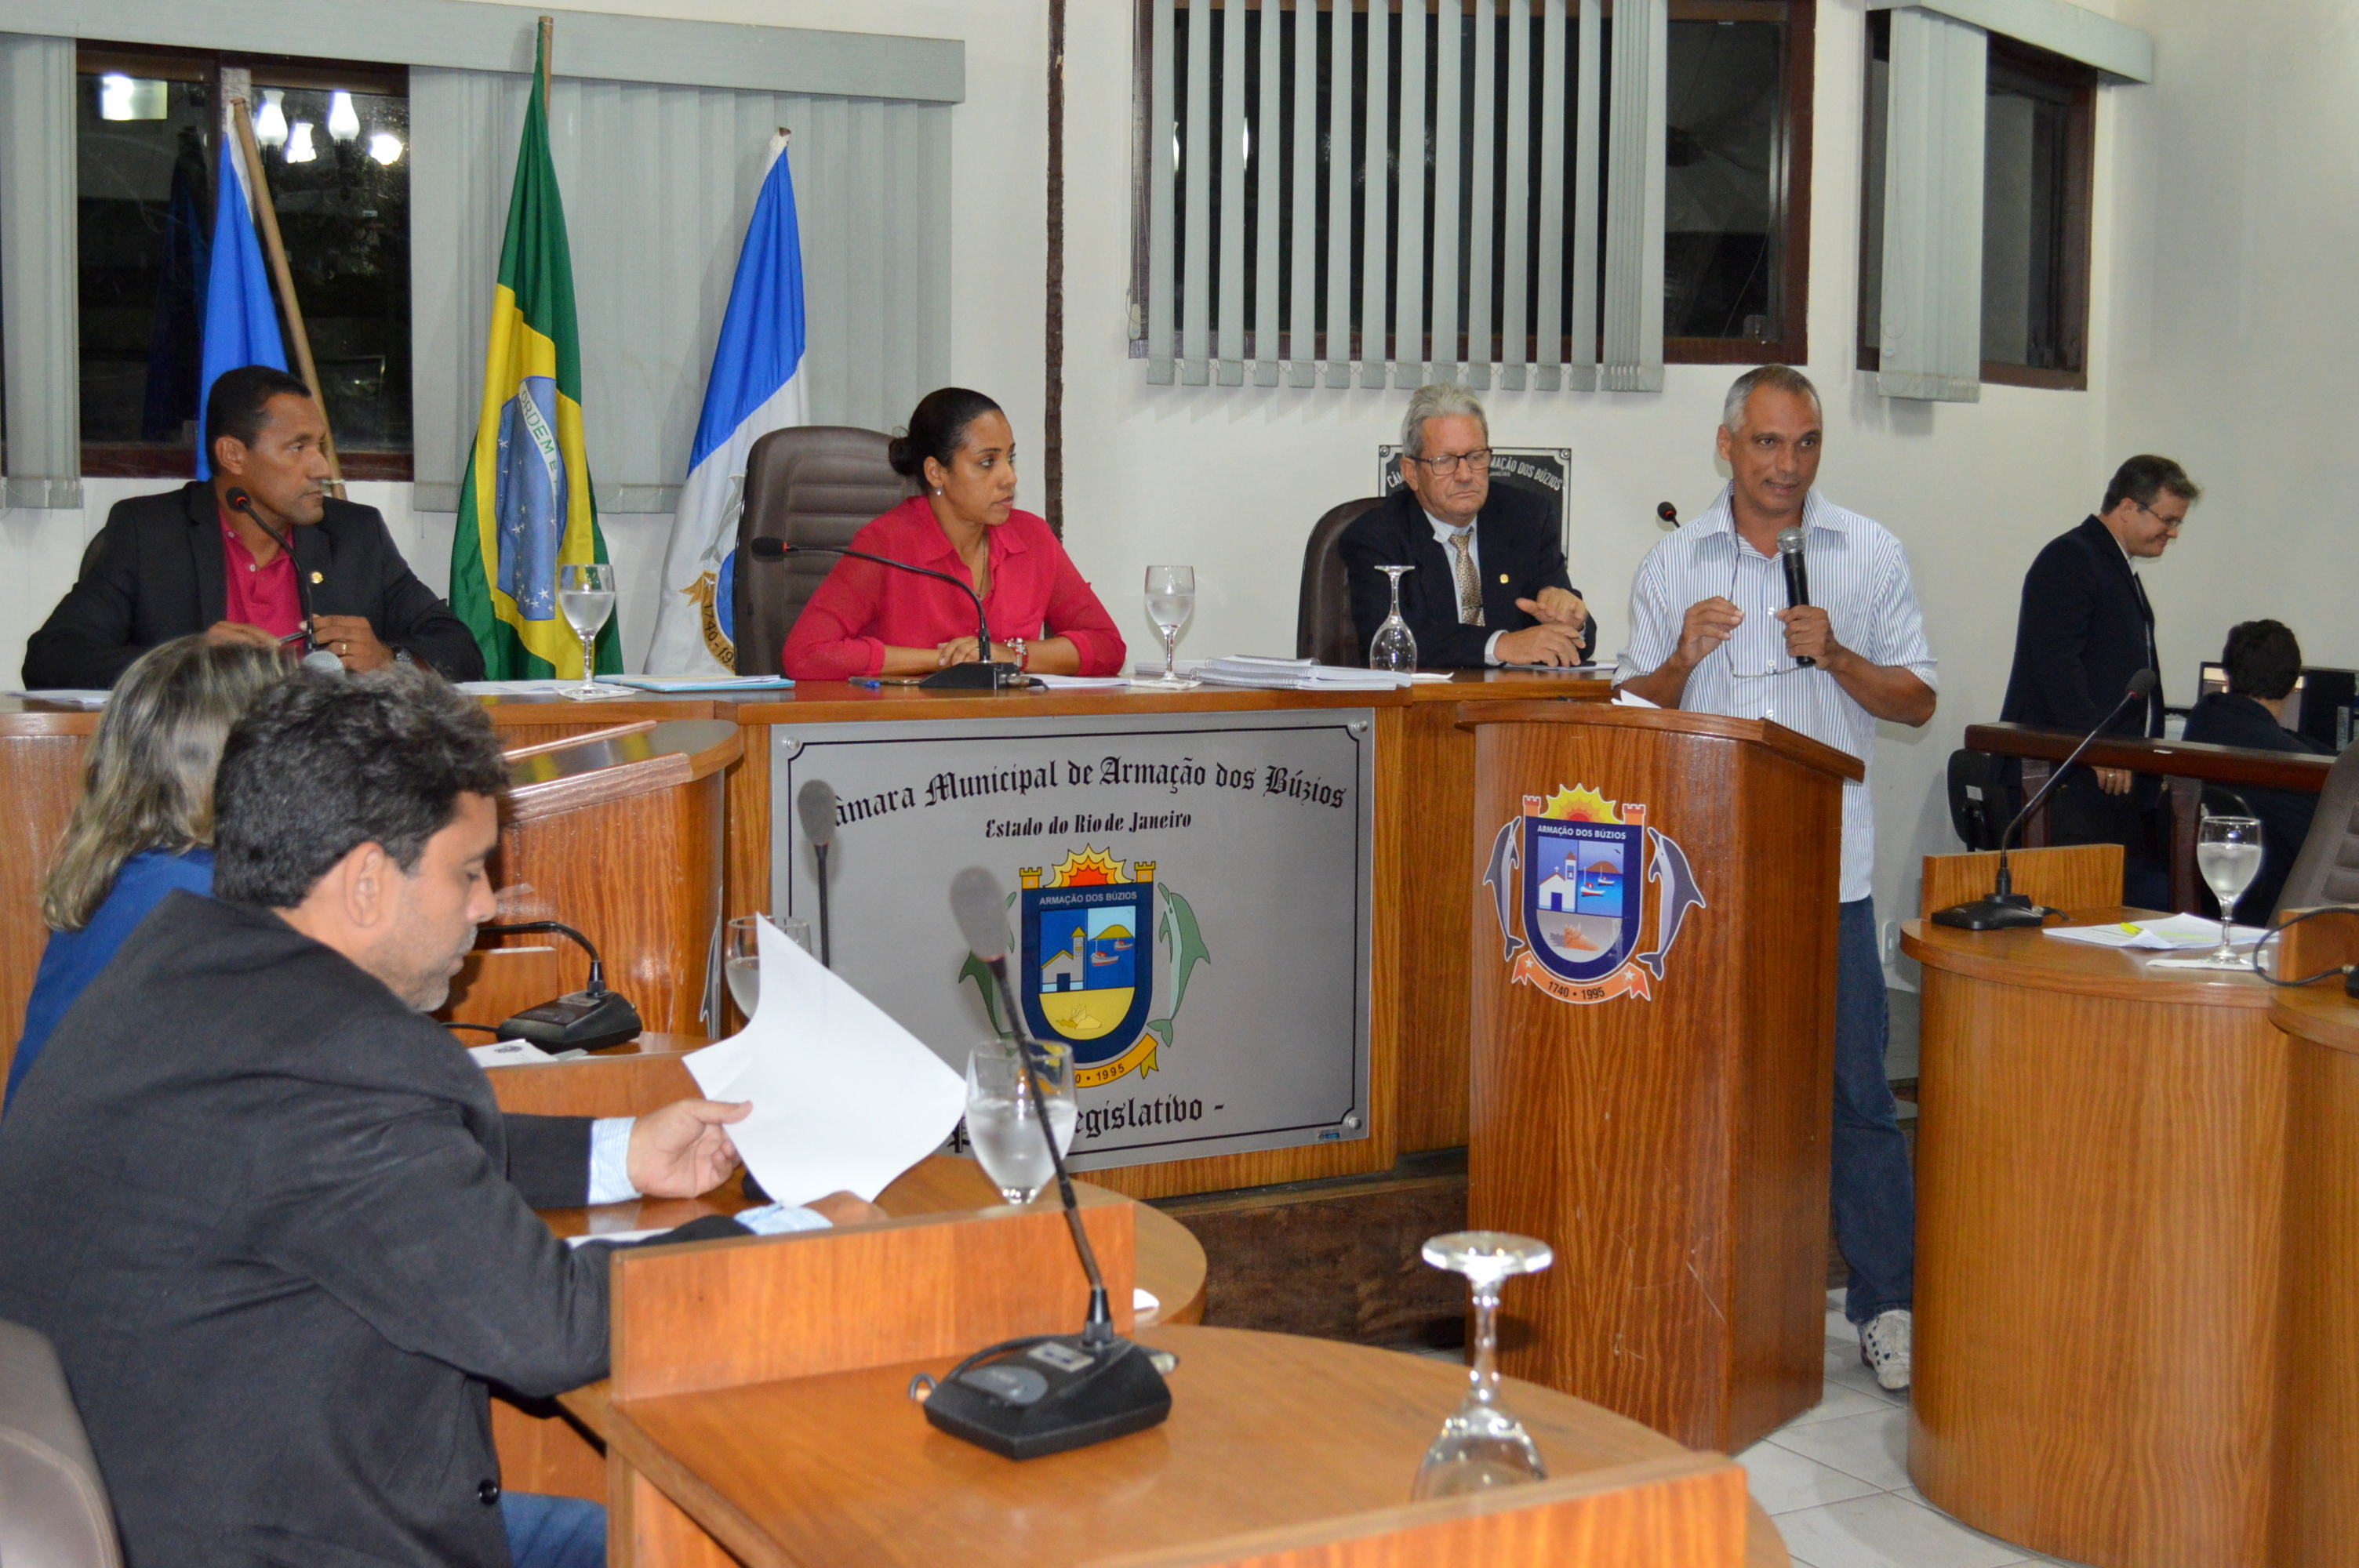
{"x":144,"y":822}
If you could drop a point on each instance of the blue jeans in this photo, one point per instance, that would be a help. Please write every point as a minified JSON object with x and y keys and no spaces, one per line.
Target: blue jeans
{"x":553,"y":1532}
{"x":1873,"y":1195}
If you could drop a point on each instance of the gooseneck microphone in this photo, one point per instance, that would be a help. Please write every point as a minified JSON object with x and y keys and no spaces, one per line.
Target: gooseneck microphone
{"x":584,"y":1021}
{"x":1798,"y":575}
{"x":1046,"y":1393}
{"x":982,"y":675}
{"x":315,"y":657}
{"x":2006,"y":909}
{"x":815,"y":804}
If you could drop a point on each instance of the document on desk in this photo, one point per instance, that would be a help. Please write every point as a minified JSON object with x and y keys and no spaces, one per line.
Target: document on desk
{"x":844,"y":1098}
{"x":2169,"y":933}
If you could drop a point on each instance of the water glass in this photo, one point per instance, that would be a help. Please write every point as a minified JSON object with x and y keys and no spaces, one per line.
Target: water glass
{"x":740,"y":959}
{"x":1004,"y":1118}
{"x":1481,"y":1445}
{"x":585,"y":592}
{"x":1170,"y":599}
{"x":2228,"y":853}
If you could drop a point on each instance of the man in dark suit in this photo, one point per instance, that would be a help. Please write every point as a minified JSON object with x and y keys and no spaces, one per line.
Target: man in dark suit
{"x":2262,"y":661}
{"x":268,"y":1212}
{"x":186,"y":561}
{"x":2084,"y":629}
{"x":1490,"y":585}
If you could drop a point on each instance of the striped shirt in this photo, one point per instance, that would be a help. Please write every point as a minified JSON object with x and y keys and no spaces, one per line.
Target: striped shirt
{"x":1857,"y":572}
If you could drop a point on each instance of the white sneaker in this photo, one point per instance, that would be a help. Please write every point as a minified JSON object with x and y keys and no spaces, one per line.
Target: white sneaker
{"x":1884,"y":1346}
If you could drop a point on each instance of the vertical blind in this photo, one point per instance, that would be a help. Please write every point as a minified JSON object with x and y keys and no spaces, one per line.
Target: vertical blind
{"x":1405,"y":195}
{"x":1929,"y":312}
{"x":42,"y":388}
{"x":659,"y":183}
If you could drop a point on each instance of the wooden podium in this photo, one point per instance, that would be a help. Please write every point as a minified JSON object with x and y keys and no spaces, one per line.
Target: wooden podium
{"x":1653,"y":1045}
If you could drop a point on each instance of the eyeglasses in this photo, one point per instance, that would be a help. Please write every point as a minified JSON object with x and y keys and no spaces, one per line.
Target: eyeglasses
{"x":2173,"y":524}
{"x":1457,"y":463}
{"x":1728,"y":649}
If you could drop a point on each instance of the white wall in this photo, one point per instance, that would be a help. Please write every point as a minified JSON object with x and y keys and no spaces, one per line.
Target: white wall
{"x":2222,"y":278}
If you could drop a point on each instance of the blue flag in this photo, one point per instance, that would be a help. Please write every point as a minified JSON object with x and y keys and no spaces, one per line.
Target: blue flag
{"x":756,"y":386}
{"x":241,"y":318}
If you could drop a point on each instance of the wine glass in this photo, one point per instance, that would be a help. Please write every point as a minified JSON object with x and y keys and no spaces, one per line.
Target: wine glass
{"x":1393,"y":647}
{"x":1170,"y":597}
{"x":585,"y":590}
{"x":742,"y":959}
{"x":1003,"y":1118}
{"x":2228,"y":853}
{"x":1481,"y":1445}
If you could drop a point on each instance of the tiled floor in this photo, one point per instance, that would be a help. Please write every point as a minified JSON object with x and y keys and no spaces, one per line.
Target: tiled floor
{"x":1836,"y":1479}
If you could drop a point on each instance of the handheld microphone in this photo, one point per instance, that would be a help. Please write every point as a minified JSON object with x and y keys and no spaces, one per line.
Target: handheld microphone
{"x":1797,"y":575}
{"x":1050,"y":1392}
{"x":2005,"y":909}
{"x":1668,"y":513}
{"x":815,"y":804}
{"x":314,"y":656}
{"x":982,"y":675}
{"x":584,"y":1021}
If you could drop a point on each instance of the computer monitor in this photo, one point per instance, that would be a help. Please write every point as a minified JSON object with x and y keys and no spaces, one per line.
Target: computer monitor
{"x":2318,"y":706}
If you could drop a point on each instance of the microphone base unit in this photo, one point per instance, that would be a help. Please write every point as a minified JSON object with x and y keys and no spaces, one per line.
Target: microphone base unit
{"x":976,"y":677}
{"x":584,"y":1021}
{"x":1034,"y":1397}
{"x":1999,"y":912}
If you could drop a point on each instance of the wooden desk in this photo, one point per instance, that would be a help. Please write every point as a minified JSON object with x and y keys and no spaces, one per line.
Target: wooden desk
{"x":2101,"y":1172}
{"x":2318,"y":1448}
{"x":1267,"y":1432}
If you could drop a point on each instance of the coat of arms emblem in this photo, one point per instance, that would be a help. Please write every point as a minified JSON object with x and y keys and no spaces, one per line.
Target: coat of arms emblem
{"x":1569,"y":879}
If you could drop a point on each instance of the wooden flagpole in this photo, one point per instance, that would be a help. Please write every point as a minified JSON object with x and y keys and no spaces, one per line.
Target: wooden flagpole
{"x":260,"y":190}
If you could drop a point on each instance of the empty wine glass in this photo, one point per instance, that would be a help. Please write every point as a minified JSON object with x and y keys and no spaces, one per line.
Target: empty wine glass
{"x":742,"y":959}
{"x":2228,"y":853}
{"x":585,"y":590}
{"x":1170,"y":597}
{"x":1393,"y":647}
{"x":1003,"y":1118}
{"x":1481,"y":1445}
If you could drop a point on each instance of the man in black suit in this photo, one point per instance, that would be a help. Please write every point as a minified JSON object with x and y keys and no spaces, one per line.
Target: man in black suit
{"x":2084,"y":629}
{"x":268,"y":1212}
{"x":186,"y":561}
{"x":2263,"y":662}
{"x":1490,"y":585}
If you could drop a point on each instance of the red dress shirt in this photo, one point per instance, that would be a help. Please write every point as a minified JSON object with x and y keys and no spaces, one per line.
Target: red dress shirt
{"x":862,"y":608}
{"x":260,"y":596}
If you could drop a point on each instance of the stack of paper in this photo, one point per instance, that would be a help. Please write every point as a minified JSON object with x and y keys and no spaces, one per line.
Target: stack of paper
{"x":76,"y":697}
{"x":1295,"y":675}
{"x":1082,"y":683}
{"x":670,"y":684}
{"x":844,"y":1098}
{"x":2169,"y":933}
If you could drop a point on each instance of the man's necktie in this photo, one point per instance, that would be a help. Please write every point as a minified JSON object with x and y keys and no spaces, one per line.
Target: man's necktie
{"x":1470,"y":587}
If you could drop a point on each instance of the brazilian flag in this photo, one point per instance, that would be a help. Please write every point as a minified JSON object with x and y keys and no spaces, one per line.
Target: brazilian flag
{"x":525,"y":508}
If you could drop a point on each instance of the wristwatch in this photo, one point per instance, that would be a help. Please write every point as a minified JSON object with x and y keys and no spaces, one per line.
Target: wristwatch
{"x":1017,"y":643}
{"x":401,"y":656}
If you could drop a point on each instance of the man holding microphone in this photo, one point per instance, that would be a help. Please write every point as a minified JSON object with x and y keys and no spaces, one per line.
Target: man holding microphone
{"x":1711,"y":632}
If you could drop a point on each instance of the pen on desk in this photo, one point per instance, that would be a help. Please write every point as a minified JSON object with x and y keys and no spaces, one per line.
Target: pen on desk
{"x":873,"y":685}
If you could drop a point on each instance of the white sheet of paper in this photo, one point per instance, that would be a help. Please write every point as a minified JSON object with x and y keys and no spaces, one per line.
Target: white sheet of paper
{"x":2170,"y":934}
{"x":508,"y":1053}
{"x":844,"y":1098}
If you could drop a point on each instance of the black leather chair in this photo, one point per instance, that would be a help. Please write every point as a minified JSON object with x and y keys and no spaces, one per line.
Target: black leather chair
{"x":1323,"y":621}
{"x":53,"y":1507}
{"x":811,"y":485}
{"x":2327,"y":870}
{"x":1981,"y":804}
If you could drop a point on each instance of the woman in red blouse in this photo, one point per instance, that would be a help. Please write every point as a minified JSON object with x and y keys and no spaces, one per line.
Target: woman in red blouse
{"x":869,"y":620}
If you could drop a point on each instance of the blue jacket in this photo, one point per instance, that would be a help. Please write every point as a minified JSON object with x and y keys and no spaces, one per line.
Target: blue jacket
{"x":73,"y":958}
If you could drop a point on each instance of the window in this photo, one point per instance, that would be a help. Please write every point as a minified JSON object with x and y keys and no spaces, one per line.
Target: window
{"x":1495,"y":190}
{"x":335,"y":156}
{"x":2040,"y":130}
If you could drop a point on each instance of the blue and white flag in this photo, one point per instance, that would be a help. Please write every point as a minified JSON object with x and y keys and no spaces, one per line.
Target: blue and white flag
{"x":756,"y":386}
{"x":241,"y":318}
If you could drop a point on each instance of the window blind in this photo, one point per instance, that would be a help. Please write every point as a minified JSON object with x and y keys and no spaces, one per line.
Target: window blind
{"x":1385,"y":196}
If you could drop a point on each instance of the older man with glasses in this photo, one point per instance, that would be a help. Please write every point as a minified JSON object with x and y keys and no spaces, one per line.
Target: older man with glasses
{"x":2084,"y":629}
{"x":1490,"y":585}
{"x":1711,"y":632}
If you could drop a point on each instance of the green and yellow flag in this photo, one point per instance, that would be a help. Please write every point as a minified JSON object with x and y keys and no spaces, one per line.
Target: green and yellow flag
{"x":525,"y":508}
